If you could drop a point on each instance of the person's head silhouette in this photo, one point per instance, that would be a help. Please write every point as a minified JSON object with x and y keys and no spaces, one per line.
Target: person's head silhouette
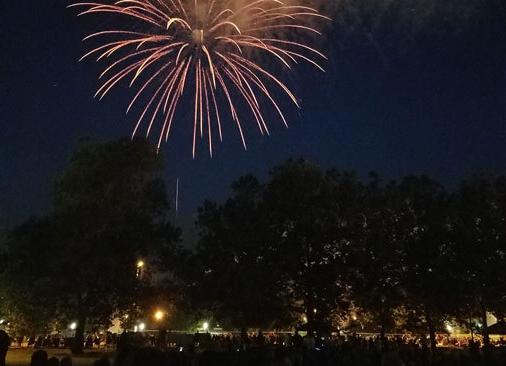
{"x":39,"y":358}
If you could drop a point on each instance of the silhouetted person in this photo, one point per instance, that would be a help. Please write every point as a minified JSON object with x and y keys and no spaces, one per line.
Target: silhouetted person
{"x":161,"y":341}
{"x":66,"y":361}
{"x":89,"y":342}
{"x":5,"y":342}
{"x":297,"y":341}
{"x":260,"y":340}
{"x":56,"y":342}
{"x":53,"y":361}
{"x":108,"y":339}
{"x":122,"y":341}
{"x":39,"y":358}
{"x":309,"y":341}
{"x":38,"y":342}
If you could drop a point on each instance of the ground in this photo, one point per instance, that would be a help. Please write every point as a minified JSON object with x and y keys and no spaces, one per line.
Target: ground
{"x":21,"y":357}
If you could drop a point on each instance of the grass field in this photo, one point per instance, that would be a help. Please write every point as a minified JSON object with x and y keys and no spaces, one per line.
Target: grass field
{"x":21,"y":357}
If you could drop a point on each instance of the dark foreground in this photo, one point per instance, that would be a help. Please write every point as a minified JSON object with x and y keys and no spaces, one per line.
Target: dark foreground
{"x":21,"y":357}
{"x":350,"y":353}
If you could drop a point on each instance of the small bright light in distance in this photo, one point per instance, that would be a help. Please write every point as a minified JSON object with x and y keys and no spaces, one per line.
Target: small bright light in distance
{"x":205,"y":326}
{"x":140,"y":264}
{"x":73,"y":325}
{"x":449,"y":328}
{"x":2,"y":321}
{"x":142,"y":326}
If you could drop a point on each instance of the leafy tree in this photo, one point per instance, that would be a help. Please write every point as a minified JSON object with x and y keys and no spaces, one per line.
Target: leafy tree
{"x":480,"y":207}
{"x":110,"y":210}
{"x":423,"y":219}
{"x":312,"y":217}
{"x":309,"y":242}
{"x":283,"y":244}
{"x":232,"y":272}
{"x":17,"y":306}
{"x":376,"y":285}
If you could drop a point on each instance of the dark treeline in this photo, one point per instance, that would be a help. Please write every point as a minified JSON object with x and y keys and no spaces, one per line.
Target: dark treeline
{"x":406,"y":254}
{"x":306,"y":248}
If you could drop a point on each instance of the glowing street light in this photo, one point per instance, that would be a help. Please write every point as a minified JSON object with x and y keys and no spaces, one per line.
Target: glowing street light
{"x":73,"y":326}
{"x":205,"y":326}
{"x":159,"y":315}
{"x":449,"y":328}
{"x":142,"y":327}
{"x":140,"y":267}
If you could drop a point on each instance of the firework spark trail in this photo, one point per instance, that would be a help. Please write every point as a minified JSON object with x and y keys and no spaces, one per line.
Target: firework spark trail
{"x":219,"y":45}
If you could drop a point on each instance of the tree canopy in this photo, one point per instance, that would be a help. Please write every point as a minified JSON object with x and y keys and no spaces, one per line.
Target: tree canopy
{"x":305,"y":248}
{"x":309,"y":246}
{"x":79,"y":262}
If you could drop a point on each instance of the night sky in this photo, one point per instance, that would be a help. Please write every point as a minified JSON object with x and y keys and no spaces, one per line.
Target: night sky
{"x":396,"y":99}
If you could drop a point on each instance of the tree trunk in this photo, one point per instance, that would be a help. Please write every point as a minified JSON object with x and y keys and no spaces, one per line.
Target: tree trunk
{"x":383,"y":337}
{"x":471,"y":328}
{"x":77,"y":347}
{"x":484,"y":332}
{"x":432,"y":331}
{"x":310,"y":325}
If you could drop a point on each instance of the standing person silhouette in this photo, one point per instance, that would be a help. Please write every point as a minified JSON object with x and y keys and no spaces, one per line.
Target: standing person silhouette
{"x":5,"y":342}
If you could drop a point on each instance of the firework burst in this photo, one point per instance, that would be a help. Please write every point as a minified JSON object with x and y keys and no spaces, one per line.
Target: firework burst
{"x":218,"y":51}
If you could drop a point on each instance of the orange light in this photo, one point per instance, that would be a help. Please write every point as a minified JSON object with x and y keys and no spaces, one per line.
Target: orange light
{"x":159,"y":315}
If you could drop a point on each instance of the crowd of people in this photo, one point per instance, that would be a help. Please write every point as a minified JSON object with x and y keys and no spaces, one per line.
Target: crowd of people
{"x":92,"y":340}
{"x":134,"y":349}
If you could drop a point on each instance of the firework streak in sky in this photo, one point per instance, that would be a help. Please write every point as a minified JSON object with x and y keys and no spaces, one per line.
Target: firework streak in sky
{"x":219,"y":51}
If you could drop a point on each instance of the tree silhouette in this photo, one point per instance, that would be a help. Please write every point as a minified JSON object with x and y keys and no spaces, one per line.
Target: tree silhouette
{"x":110,"y":210}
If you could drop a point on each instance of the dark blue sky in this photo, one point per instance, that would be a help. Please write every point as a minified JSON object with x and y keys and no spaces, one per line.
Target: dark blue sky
{"x":430,"y":101}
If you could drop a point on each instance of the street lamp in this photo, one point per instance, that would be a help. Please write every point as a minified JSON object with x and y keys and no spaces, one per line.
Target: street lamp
{"x":159,"y":315}
{"x":142,"y":327}
{"x":140,"y":267}
{"x":73,"y":326}
{"x":205,"y":326}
